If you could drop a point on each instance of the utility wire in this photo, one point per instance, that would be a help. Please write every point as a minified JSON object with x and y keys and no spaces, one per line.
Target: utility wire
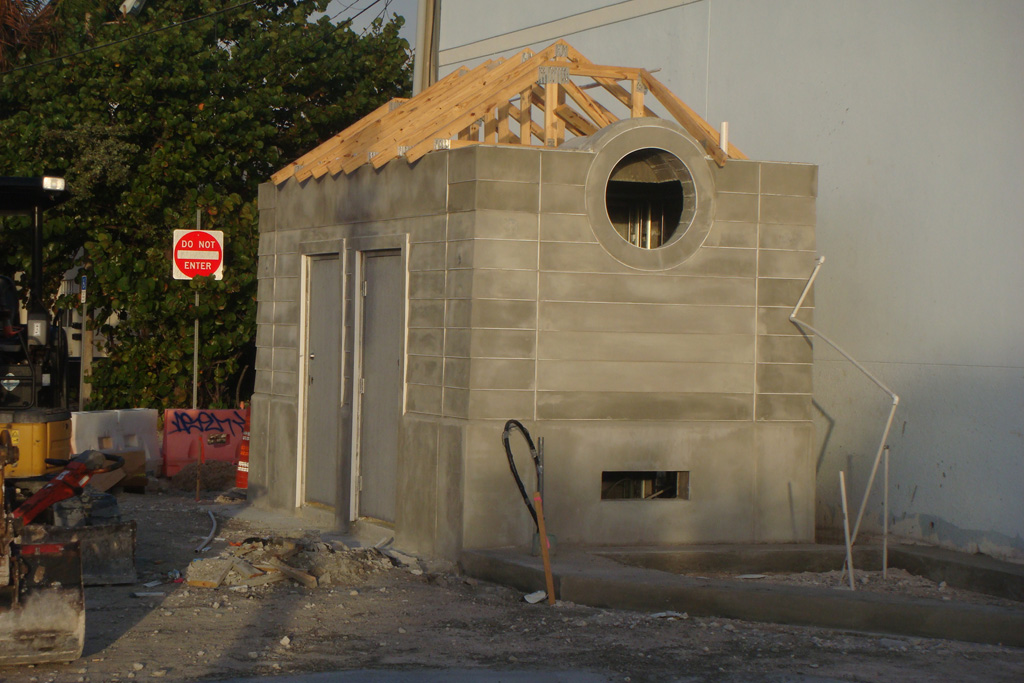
{"x":375,"y":2}
{"x":345,"y":9}
{"x":130,"y":38}
{"x":170,"y":26}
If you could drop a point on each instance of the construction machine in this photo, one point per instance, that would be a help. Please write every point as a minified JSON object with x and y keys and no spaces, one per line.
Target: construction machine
{"x":42,"y":607}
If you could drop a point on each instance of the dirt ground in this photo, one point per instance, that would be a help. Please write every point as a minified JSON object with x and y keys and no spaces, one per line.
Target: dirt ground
{"x":374,"y":615}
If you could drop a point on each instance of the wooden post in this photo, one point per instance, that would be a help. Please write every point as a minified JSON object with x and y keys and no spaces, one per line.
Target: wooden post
{"x":637,"y":99}
{"x":525,"y":117}
{"x":543,"y":540}
{"x":550,"y":104}
{"x":502,"y":130}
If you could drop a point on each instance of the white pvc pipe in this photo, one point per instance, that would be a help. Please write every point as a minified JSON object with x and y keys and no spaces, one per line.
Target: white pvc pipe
{"x":846,"y":530}
{"x":892,"y":395}
{"x":885,"y":514}
{"x":874,"y":467}
{"x":723,"y":139}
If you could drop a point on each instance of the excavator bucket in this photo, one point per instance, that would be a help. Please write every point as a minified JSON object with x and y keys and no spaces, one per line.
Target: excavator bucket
{"x":108,"y":550}
{"x":42,"y":606}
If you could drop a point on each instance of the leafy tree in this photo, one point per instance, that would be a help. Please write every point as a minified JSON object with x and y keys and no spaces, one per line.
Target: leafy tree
{"x":147,"y":131}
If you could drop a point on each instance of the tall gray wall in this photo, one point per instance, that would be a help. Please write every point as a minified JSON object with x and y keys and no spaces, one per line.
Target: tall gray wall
{"x":911,"y":109}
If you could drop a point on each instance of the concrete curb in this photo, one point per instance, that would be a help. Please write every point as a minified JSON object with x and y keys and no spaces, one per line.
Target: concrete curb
{"x":588,"y":578}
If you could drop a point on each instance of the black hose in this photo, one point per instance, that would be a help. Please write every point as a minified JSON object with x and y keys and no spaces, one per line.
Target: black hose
{"x":509,"y":426}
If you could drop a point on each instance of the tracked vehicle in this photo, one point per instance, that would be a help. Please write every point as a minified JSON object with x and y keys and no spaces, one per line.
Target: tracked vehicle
{"x":42,"y":606}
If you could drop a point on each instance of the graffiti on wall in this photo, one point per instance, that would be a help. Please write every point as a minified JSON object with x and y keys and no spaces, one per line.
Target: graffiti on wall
{"x":189,"y":421}
{"x":191,"y":435}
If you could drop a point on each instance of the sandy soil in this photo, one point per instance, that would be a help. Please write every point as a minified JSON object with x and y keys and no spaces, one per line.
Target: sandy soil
{"x":377,"y":616}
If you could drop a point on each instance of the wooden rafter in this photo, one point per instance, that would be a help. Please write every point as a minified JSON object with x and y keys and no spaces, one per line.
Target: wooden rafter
{"x":531,"y":99}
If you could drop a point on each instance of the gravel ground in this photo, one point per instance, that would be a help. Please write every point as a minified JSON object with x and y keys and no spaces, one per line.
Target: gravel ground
{"x":404,"y":618}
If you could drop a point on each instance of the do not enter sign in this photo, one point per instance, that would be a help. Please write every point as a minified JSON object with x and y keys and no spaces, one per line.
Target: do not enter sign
{"x":198,"y":253}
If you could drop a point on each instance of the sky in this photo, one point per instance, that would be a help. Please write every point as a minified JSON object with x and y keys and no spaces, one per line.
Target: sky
{"x":374,"y":8}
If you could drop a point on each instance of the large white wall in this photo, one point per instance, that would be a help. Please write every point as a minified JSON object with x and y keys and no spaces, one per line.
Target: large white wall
{"x":912,"y":109}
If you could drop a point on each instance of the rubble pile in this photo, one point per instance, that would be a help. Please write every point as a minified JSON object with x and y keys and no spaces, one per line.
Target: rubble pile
{"x":310,"y":563}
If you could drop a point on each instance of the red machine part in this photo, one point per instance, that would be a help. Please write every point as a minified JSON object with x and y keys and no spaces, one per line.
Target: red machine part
{"x":70,"y":482}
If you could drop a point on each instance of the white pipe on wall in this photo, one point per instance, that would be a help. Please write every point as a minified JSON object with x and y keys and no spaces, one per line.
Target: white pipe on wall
{"x":895,"y":399}
{"x":846,"y":529}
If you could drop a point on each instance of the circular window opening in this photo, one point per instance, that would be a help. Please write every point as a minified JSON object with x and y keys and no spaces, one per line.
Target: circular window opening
{"x":650,"y":198}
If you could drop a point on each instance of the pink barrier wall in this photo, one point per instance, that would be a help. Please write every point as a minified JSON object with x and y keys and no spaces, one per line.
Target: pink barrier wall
{"x":219,"y":430}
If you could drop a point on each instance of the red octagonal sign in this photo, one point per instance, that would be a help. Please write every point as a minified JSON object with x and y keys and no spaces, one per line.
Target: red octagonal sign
{"x":198,"y":253}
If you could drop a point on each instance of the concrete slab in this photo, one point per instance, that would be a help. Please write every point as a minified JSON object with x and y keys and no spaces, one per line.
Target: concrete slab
{"x":592,"y":577}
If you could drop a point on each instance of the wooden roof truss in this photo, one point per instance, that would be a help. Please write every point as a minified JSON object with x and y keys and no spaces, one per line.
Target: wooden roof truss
{"x":531,"y":99}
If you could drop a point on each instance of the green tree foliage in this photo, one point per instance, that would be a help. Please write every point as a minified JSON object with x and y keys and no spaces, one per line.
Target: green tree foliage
{"x":149,"y":130}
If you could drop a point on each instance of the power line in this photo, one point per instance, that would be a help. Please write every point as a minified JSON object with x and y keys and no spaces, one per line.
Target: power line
{"x":345,"y":9}
{"x":130,"y":38}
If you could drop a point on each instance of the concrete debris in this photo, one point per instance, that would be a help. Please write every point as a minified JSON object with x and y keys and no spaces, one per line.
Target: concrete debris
{"x":671,"y":616}
{"x":401,"y":558}
{"x":535,"y":597}
{"x":310,"y":563}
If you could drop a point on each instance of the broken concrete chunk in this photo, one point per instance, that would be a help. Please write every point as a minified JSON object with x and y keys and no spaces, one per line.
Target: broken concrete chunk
{"x":400,"y":558}
{"x":207,"y":573}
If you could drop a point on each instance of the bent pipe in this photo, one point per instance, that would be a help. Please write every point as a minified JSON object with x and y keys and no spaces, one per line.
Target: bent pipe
{"x":517,"y":425}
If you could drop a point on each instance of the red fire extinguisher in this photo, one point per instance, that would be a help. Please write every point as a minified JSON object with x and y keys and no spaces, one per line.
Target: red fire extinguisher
{"x":242,"y":472}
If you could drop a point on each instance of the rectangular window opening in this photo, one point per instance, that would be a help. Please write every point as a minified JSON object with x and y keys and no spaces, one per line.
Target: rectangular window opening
{"x":620,"y":485}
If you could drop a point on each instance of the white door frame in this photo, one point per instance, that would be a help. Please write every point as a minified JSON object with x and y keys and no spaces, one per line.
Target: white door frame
{"x":359,"y":247}
{"x":308,"y":251}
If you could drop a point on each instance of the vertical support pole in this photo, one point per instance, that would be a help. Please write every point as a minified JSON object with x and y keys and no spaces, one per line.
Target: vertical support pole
{"x":502,"y":133}
{"x":846,"y":529}
{"x":526,"y":116}
{"x":195,"y":357}
{"x":723,"y":139}
{"x":491,"y":127}
{"x":885,"y":517}
{"x":542,"y":538}
{"x":550,"y":104}
{"x":35,"y":295}
{"x":195,"y":340}
{"x":81,"y":351}
{"x":637,"y":99}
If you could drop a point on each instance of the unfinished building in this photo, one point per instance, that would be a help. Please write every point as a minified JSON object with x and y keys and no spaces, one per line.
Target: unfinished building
{"x":528,"y":239}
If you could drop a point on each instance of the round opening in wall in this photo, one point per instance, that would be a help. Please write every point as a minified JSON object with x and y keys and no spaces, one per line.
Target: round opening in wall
{"x":650,"y":198}
{"x":650,"y":193}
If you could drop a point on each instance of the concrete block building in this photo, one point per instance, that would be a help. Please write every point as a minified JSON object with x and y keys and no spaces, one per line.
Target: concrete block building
{"x":621,"y":286}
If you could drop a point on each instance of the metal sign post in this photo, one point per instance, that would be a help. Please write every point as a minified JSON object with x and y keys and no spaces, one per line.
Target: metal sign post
{"x":81,"y":351}
{"x":195,"y":347}
{"x":197,"y":253}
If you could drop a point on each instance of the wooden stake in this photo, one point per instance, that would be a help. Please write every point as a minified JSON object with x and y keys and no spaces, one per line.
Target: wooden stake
{"x":543,"y":540}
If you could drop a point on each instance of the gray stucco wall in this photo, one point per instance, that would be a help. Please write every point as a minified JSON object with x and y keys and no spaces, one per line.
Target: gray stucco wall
{"x":911,"y":111}
{"x":515,"y":309}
